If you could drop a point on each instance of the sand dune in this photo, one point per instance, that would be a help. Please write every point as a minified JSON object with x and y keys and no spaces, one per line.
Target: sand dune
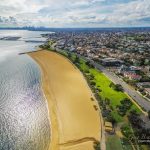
{"x":75,"y":124}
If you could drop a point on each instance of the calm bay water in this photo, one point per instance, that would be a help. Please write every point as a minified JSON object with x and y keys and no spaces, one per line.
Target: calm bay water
{"x":24,"y":123}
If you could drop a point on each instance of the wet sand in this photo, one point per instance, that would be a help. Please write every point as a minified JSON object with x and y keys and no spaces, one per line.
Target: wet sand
{"x":75,"y":124}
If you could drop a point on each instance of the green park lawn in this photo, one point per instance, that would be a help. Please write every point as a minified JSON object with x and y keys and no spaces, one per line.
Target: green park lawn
{"x":113,"y":143}
{"x":102,"y":83}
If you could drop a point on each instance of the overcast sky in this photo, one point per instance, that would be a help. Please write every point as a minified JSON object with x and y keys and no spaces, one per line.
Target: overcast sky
{"x":75,"y":13}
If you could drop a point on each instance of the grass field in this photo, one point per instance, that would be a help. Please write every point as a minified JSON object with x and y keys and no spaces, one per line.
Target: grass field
{"x":113,"y":143}
{"x":102,"y":83}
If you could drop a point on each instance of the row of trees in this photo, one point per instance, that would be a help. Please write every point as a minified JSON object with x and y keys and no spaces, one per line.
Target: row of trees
{"x":116,"y":87}
{"x":124,"y":106}
{"x":106,"y":107}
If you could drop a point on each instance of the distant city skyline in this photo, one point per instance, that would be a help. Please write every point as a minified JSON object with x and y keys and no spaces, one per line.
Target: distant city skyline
{"x":75,"y":13}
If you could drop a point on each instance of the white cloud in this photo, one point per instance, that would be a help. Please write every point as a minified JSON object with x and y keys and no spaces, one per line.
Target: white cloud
{"x":130,"y":13}
{"x":74,"y":13}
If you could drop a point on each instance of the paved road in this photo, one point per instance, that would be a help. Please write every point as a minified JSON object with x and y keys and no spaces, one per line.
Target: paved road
{"x":141,"y":101}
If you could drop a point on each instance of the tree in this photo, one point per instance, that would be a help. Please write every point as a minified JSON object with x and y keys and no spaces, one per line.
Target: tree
{"x":88,"y":63}
{"x":118,"y":87}
{"x":126,"y":131}
{"x":93,"y":83}
{"x":97,"y":145}
{"x":86,"y":71}
{"x":69,"y":55}
{"x":107,"y":101}
{"x":124,"y":107}
{"x":135,"y":119}
{"x":149,"y":114}
{"x":77,"y":59}
{"x":111,"y":84}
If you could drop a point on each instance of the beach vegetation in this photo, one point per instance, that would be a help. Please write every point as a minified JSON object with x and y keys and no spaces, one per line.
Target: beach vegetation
{"x":124,"y":106}
{"x":116,"y":87}
{"x":115,"y":105}
{"x":149,"y":114}
{"x":102,"y":88}
{"x":113,"y":143}
{"x":97,"y":145}
{"x":126,"y":131}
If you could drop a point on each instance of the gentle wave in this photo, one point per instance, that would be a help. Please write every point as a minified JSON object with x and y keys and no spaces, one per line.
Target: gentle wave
{"x":24,"y":123}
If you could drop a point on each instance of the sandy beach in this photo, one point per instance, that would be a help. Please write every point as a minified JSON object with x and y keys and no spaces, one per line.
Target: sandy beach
{"x":75,"y":124}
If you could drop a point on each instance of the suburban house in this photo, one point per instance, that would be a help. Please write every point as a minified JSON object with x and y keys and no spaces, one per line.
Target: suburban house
{"x":111,"y":62}
{"x":132,"y":75}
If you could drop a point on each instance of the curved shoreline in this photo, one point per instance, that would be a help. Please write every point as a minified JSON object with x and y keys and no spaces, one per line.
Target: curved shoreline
{"x":75,"y":124}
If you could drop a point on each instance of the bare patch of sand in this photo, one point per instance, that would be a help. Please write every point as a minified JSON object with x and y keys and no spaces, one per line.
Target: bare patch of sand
{"x":75,"y":124}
